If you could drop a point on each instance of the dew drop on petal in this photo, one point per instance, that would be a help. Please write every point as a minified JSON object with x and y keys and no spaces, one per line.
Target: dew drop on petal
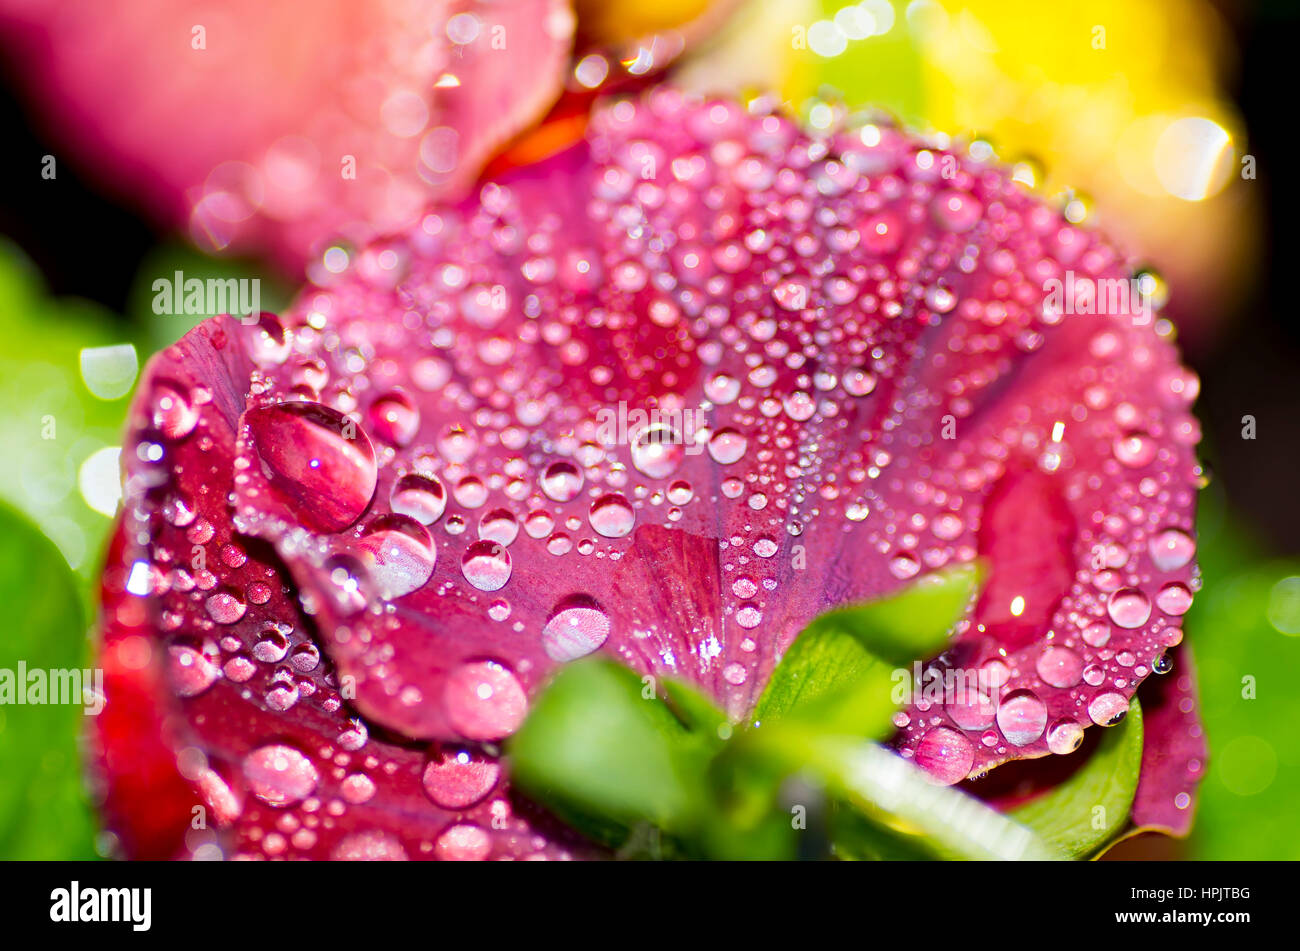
{"x":422,"y":497}
{"x":1107,"y":709}
{"x":486,"y":565}
{"x":1129,"y":608}
{"x":484,"y":700}
{"x":1021,"y":717}
{"x":946,"y":755}
{"x":1060,"y":667}
{"x":1064,"y":736}
{"x":1171,"y":549}
{"x":457,"y":778}
{"x":279,"y":774}
{"x":575,"y":630}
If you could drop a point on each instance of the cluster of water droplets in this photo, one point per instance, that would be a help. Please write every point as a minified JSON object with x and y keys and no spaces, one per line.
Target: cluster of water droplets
{"x":751,"y":337}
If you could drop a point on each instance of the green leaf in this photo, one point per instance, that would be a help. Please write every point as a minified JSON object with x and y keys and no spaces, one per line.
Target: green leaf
{"x":607,"y":754}
{"x":44,"y":813}
{"x":840,"y":672}
{"x":1068,"y":815}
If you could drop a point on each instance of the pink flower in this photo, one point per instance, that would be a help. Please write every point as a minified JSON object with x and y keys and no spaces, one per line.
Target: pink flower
{"x":276,"y":127}
{"x":668,"y":395}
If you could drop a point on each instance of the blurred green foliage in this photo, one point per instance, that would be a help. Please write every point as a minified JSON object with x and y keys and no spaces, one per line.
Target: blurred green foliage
{"x":44,"y":812}
{"x":1248,"y":672}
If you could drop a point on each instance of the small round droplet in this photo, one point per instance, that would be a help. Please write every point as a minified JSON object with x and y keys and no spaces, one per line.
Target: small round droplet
{"x":727,"y":446}
{"x":575,"y":630}
{"x":279,"y":774}
{"x":1107,"y":709}
{"x":946,"y":755}
{"x":612,"y":516}
{"x":1129,"y":608}
{"x":562,"y":481}
{"x":422,"y":497}
{"x":486,"y":565}
{"x":484,"y":700}
{"x":458,"y":778}
{"x":1064,"y":736}
{"x":1021,"y":717}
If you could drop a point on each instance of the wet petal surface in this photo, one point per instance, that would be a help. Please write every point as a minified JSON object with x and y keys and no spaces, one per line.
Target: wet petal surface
{"x":669,"y":395}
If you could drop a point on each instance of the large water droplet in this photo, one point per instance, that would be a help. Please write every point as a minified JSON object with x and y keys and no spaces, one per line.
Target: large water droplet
{"x":1060,"y":667}
{"x":1171,"y":549}
{"x":458,"y":778}
{"x":727,"y":446}
{"x":946,"y":755}
{"x":172,"y":413}
{"x":394,"y":418}
{"x":1021,"y":717}
{"x":317,"y":462}
{"x":279,"y":774}
{"x":399,"y":555}
{"x":486,"y":565}
{"x":422,"y":497}
{"x":658,"y":451}
{"x":484,"y":700}
{"x":1064,"y":736}
{"x":562,"y":481}
{"x":1129,"y":608}
{"x":1107,"y":709}
{"x":576,"y":629}
{"x":612,"y":516}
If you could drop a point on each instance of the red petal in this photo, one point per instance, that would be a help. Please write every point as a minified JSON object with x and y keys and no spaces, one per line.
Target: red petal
{"x":1175,"y":751}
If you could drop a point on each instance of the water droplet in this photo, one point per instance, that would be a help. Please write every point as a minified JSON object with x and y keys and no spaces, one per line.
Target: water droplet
{"x":484,"y":700}
{"x":612,"y":516}
{"x":1107,"y":709}
{"x":658,"y":451}
{"x":458,"y":778}
{"x":369,"y":847}
{"x":173,"y":415}
{"x":562,"y":481}
{"x":1065,"y":736}
{"x":399,"y":555}
{"x":190,"y":672}
{"x":225,"y":606}
{"x":394,"y":418}
{"x":463,"y":843}
{"x":1021,"y":717}
{"x":1174,"y":599}
{"x":1135,"y":449}
{"x":727,"y":446}
{"x":318,"y":463}
{"x":577,"y":628}
{"x":1129,"y":608}
{"x":858,"y":381}
{"x":500,"y":526}
{"x":946,"y":755}
{"x":422,"y":497}
{"x":1171,"y":549}
{"x":486,"y":565}
{"x":1060,"y":667}
{"x":279,"y":774}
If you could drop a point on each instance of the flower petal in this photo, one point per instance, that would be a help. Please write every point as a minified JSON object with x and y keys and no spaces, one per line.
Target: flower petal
{"x":1174,"y":757}
{"x":375,"y":108}
{"x":862,"y":370}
